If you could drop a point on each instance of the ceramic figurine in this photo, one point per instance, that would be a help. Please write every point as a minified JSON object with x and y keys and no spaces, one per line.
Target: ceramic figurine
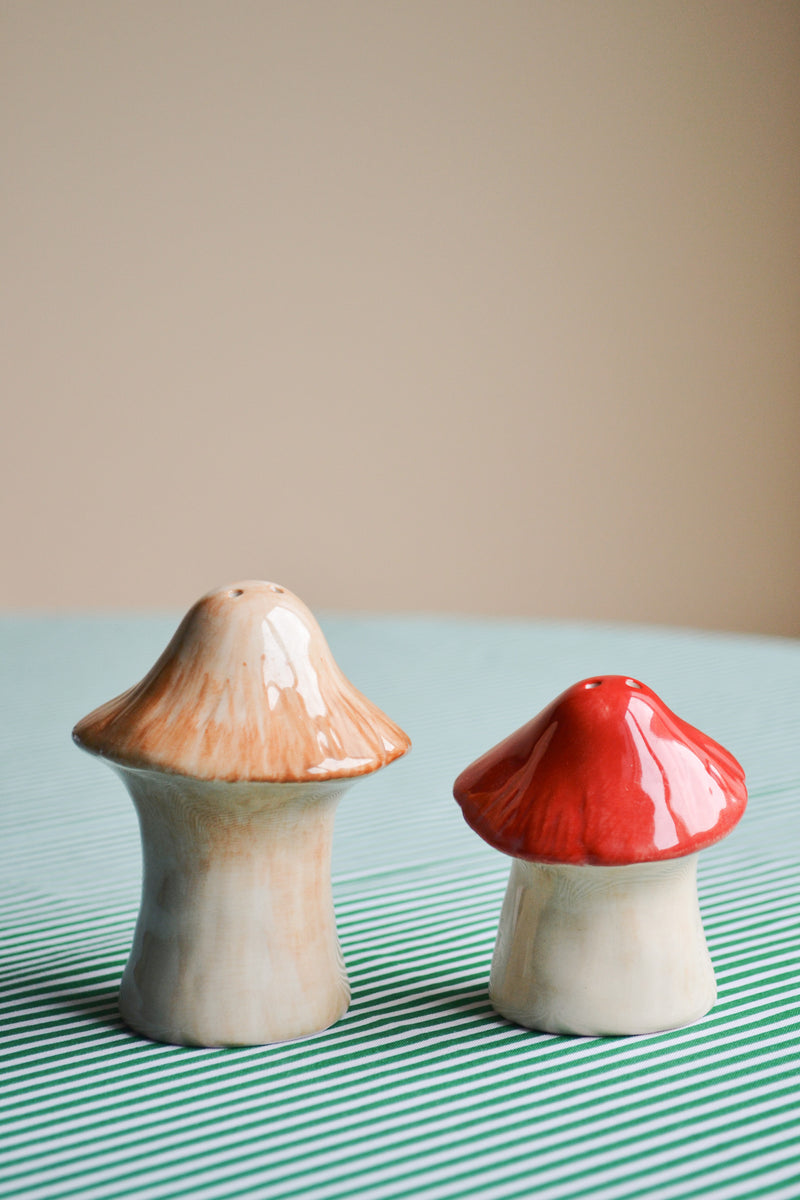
{"x":236,"y":749}
{"x":604,"y":801}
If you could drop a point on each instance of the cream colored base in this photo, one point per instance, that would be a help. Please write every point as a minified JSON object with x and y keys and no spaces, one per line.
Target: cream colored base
{"x":236,"y":940}
{"x":602,"y":950}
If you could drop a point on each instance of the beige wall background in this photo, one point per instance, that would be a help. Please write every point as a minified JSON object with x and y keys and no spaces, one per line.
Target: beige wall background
{"x":464,"y":305}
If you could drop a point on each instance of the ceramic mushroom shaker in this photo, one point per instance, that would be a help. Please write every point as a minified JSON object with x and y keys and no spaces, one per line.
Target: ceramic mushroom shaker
{"x":604,"y":801}
{"x":236,"y":749}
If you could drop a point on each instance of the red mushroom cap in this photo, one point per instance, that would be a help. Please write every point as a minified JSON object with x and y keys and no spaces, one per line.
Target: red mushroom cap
{"x":605,"y":775}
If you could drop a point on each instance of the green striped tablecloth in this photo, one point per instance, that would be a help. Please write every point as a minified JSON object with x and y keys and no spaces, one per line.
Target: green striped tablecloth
{"x":420,"y":1091}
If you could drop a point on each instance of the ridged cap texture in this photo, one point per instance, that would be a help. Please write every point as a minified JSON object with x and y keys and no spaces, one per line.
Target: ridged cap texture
{"x":605,"y":775}
{"x":246,"y":690}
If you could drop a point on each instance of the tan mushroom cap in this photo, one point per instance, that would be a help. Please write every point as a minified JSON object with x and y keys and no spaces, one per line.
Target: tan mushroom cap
{"x":246,"y":690}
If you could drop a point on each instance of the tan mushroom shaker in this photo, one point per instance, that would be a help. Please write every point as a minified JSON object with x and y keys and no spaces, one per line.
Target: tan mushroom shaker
{"x":603,"y":800}
{"x":236,"y":749}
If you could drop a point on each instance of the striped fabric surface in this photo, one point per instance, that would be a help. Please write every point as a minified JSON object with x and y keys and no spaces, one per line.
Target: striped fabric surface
{"x":420,"y":1091}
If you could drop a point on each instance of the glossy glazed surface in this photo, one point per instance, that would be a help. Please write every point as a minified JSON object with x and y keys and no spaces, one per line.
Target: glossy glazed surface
{"x":246,"y":690}
{"x":605,"y":775}
{"x":602,"y":950}
{"x":236,"y":940}
{"x":236,"y":748}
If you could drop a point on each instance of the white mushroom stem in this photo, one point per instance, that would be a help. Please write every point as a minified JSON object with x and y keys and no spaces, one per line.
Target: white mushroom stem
{"x":236,"y":941}
{"x":602,"y":950}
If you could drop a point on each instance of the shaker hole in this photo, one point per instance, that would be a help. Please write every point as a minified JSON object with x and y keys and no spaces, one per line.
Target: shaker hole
{"x":235,"y":593}
{"x":594,"y":683}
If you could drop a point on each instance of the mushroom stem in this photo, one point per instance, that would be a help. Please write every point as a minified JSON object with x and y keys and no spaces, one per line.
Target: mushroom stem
{"x":602,"y":950}
{"x":236,"y":940}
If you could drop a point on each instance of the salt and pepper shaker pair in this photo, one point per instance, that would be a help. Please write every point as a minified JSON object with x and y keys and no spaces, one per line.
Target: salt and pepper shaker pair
{"x":236,"y":749}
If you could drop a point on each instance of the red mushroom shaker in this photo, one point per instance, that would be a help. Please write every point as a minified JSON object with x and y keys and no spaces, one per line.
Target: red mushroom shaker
{"x":604,"y":801}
